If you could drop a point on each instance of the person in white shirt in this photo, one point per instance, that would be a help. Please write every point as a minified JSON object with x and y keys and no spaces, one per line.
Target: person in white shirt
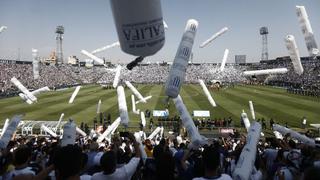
{"x":211,"y":161}
{"x":22,"y":156}
{"x":109,"y":168}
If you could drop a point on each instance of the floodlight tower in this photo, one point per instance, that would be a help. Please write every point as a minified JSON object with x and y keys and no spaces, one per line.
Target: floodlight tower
{"x":264,"y":33}
{"x":59,"y":37}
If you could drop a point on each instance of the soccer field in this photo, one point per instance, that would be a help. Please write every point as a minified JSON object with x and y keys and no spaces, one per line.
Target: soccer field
{"x":268,"y":102}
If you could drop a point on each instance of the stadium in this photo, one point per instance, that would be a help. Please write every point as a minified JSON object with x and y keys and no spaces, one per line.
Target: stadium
{"x":92,"y":117}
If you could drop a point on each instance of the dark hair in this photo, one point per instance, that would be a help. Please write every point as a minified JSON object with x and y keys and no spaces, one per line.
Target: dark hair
{"x":292,"y":144}
{"x":108,"y":162}
{"x":84,"y":160}
{"x":68,"y":161}
{"x":22,"y":155}
{"x":210,"y":158}
{"x":165,"y":166}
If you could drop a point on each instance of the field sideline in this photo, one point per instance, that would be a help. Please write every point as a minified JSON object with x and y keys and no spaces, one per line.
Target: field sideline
{"x":268,"y":102}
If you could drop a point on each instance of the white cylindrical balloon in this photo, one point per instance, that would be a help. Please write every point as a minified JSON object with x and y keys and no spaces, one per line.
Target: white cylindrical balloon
{"x":247,"y":157}
{"x":143,"y":119}
{"x":224,"y":60}
{"x":116,"y":44}
{"x":187,"y":122}
{"x":278,"y":135}
{"x":307,"y":31}
{"x":145,"y":98}
{"x":294,"y":134}
{"x":213,"y":37}
{"x":35,"y":64}
{"x":5,"y":126}
{"x":179,"y":67}
{"x":134,"y":105}
{"x":74,"y":94}
{"x":109,"y":130}
{"x":69,"y":133}
{"x":165,"y":25}
{"x":245,"y":120}
{"x":2,"y":28}
{"x":135,"y":91}
{"x":154,"y":133}
{"x":252,"y":110}
{"x":35,"y":92}
{"x":116,"y":77}
{"x":40,"y":90}
{"x":23,"y":89}
{"x":139,"y":26}
{"x":82,"y":133}
{"x":93,"y":57}
{"x":25,"y":98}
{"x":294,"y":54}
{"x":8,"y":133}
{"x":123,"y":110}
{"x":266,"y":71}
{"x":142,"y":151}
{"x":59,"y":121}
{"x":49,"y":131}
{"x":99,"y":107}
{"x":207,"y":93}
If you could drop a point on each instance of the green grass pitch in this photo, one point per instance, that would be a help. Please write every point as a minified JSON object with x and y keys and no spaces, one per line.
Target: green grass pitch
{"x":268,"y":102}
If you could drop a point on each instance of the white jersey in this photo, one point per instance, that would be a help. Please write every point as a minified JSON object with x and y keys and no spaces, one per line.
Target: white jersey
{"x":123,"y":173}
{"x":24,"y":171}
{"x":221,"y":177}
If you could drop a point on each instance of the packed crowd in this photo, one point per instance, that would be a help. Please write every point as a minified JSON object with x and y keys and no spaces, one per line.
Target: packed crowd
{"x":66,"y":75}
{"x":50,"y":76}
{"x":308,"y":81}
{"x":168,"y":158}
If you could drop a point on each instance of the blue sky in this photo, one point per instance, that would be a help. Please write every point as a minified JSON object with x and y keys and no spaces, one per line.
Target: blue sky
{"x":89,"y":25}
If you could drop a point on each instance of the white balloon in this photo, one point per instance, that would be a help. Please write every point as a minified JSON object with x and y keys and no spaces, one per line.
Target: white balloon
{"x":134,"y":105}
{"x":109,"y":130}
{"x":99,"y":107}
{"x":35,"y":64}
{"x":74,"y":94}
{"x":207,"y":93}
{"x":9,"y":131}
{"x":135,"y":91}
{"x":69,"y":133}
{"x":49,"y":131}
{"x":123,"y":110}
{"x":116,"y":77}
{"x":245,"y":120}
{"x":266,"y":71}
{"x":294,"y":134}
{"x":307,"y":31}
{"x":91,"y":56}
{"x":23,"y":89}
{"x":115,"y":44}
{"x":179,"y":67}
{"x":139,"y":26}
{"x":252,"y":110}
{"x":187,"y":122}
{"x":247,"y":158}
{"x":219,"y":33}
{"x":224,"y":60}
{"x":294,"y":54}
